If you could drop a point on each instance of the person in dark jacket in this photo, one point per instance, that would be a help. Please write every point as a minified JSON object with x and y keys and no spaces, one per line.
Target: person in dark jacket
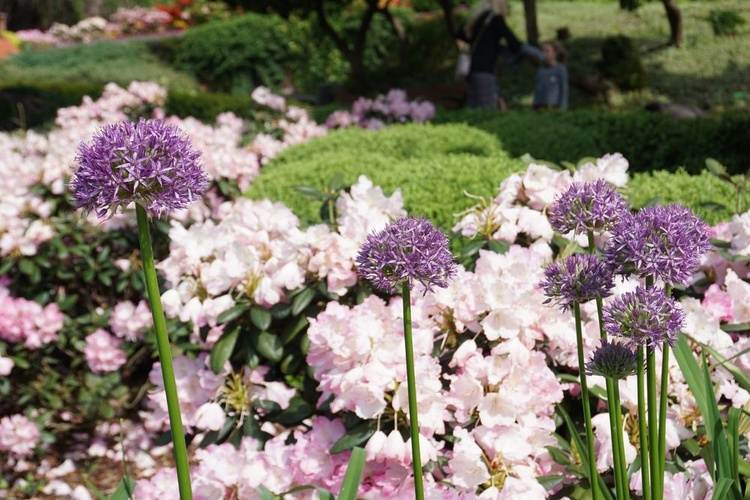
{"x":484,"y":30}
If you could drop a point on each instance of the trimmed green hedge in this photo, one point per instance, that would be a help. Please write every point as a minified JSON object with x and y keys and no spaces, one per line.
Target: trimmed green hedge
{"x":649,"y":141}
{"x":432,"y":165}
{"x":711,"y":198}
{"x":237,"y":54}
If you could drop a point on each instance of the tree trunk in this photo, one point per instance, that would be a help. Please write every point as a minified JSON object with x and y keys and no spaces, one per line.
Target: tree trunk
{"x":675,"y":22}
{"x":403,"y":38}
{"x":532,"y":29}
{"x":354,"y":55}
{"x":450,"y":20}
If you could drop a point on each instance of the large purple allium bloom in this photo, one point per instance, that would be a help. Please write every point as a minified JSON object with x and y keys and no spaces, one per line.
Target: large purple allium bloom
{"x":577,"y":278}
{"x":148,"y":162}
{"x":644,"y":317}
{"x":407,"y":250}
{"x":612,"y":360}
{"x":663,"y":242}
{"x":587,"y":206}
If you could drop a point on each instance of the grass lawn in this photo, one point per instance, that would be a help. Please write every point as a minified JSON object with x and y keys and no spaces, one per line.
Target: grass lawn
{"x":708,"y":71}
{"x":99,"y":63}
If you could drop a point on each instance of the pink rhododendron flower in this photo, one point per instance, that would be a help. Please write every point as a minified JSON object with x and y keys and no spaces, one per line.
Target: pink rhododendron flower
{"x":717,"y":303}
{"x":130,"y":322}
{"x":18,"y":435}
{"x":6,"y":366}
{"x":103,"y":353}
{"x":26,"y":321}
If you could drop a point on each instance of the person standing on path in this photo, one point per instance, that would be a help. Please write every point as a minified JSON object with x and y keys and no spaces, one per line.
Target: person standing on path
{"x":484,"y":30}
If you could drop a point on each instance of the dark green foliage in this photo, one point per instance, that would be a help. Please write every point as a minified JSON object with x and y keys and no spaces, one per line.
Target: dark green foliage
{"x":238,"y":54}
{"x":649,"y":141}
{"x":725,"y":22}
{"x":621,"y":63}
{"x":630,"y":4}
{"x":32,"y":105}
{"x":431,"y":164}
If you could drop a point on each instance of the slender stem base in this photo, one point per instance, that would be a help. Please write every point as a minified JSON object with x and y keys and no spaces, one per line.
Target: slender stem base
{"x":593,"y":475}
{"x":621,"y":464}
{"x":642,"y":430}
{"x":411,"y":382}
{"x":653,"y":423}
{"x":165,"y":355}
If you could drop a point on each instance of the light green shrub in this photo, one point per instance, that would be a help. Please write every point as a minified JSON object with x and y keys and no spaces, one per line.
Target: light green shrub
{"x":432,"y":165}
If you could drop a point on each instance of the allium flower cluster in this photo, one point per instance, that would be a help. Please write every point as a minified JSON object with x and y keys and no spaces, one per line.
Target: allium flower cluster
{"x":663,"y":242}
{"x":149,"y":163}
{"x":613,"y":360}
{"x":578,"y":278}
{"x":408,"y":250}
{"x":103,"y":353}
{"x":26,"y":321}
{"x":18,"y":435}
{"x":644,"y":317}
{"x":584,"y":207}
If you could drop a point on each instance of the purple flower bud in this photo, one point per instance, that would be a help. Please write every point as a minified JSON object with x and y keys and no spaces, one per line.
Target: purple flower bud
{"x":613,"y":360}
{"x":149,"y":163}
{"x":664,"y":242}
{"x":645,"y":317}
{"x":578,"y":278}
{"x":587,"y":206}
{"x":407,"y":250}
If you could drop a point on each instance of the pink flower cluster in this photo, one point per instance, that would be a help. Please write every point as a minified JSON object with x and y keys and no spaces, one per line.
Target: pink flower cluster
{"x":18,"y":435}
{"x":26,"y":321}
{"x":196,"y":385}
{"x":518,"y":207}
{"x":140,"y":20}
{"x":130,"y":322}
{"x":394,"y":107}
{"x":103,"y":353}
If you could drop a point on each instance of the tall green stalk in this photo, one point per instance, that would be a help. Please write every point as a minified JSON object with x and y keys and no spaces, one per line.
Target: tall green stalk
{"x":642,"y":431}
{"x":411,"y":382}
{"x":663,"y":397}
{"x":165,"y":355}
{"x":593,"y":475}
{"x":620,"y":457}
{"x":653,"y":424}
{"x":613,"y":402}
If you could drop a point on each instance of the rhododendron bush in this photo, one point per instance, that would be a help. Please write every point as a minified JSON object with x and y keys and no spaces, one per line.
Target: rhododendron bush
{"x":285,"y":359}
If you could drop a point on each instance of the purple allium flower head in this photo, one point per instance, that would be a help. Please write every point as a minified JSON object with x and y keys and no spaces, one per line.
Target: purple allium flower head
{"x":146,"y":162}
{"x":587,"y":206}
{"x":645,"y":317}
{"x":407,"y":250}
{"x":664,"y":242}
{"x":577,"y":278}
{"x":613,"y":360}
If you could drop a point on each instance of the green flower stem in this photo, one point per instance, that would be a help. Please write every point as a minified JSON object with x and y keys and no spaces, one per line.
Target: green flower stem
{"x":411,"y":382}
{"x":642,"y":431}
{"x":653,"y":423}
{"x":593,"y":475}
{"x":620,"y":460}
{"x":165,"y":356}
{"x":663,"y":397}
{"x":613,"y":403}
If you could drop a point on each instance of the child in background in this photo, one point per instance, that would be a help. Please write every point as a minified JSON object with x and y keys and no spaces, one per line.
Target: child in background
{"x":551,"y":89}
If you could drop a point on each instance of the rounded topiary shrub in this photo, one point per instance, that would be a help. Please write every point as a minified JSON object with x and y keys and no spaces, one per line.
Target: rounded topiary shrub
{"x":621,"y":63}
{"x":238,"y":54}
{"x":432,"y":165}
